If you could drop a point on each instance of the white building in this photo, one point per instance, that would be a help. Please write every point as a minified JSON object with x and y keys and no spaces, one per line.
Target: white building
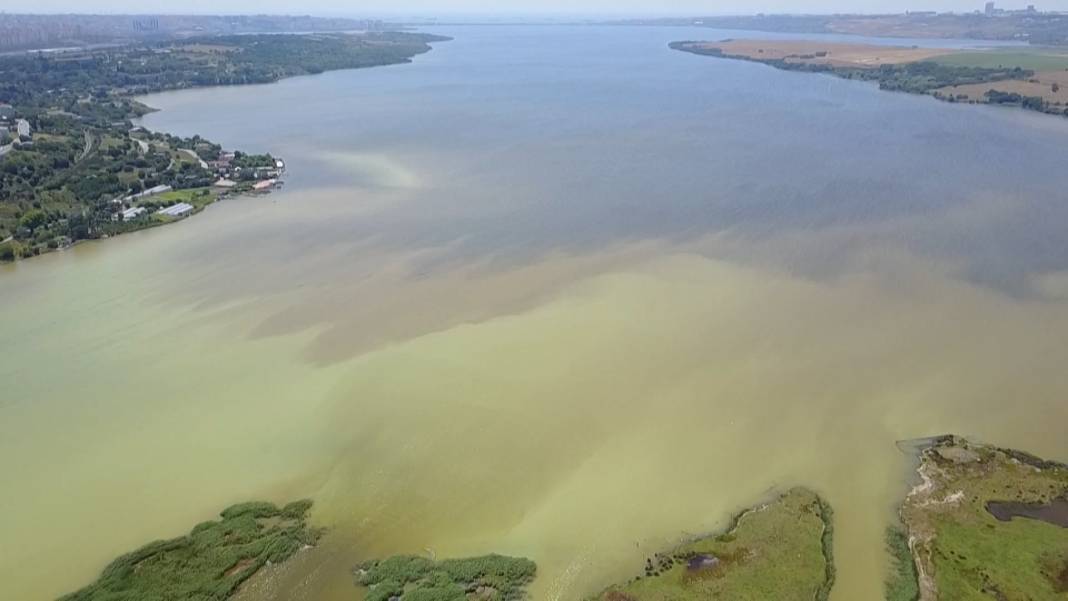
{"x":176,"y":210}
{"x":133,"y":213}
{"x":150,"y":192}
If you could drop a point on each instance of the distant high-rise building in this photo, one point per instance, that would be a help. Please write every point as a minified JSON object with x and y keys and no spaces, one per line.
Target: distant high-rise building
{"x":990,"y":9}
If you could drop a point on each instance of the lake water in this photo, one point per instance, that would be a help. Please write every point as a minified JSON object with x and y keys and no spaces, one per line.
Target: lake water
{"x":557,"y":292}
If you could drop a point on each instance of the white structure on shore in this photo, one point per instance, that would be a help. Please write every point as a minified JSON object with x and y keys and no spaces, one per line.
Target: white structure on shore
{"x":176,"y":210}
{"x":133,"y":213}
{"x":150,"y":192}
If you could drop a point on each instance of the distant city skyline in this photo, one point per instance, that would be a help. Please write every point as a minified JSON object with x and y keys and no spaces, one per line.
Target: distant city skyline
{"x":427,"y":8}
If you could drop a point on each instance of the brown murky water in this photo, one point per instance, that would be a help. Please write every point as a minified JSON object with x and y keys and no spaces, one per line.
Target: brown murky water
{"x":573,"y":311}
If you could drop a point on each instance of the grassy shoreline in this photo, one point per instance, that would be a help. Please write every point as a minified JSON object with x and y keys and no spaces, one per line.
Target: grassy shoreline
{"x":782,"y":549}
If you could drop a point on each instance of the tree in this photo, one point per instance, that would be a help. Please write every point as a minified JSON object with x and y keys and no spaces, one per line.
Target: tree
{"x":33,"y":219}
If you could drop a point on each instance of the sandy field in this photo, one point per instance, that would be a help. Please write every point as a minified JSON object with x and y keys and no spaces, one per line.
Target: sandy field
{"x":818,"y":52}
{"x":1052,"y":86}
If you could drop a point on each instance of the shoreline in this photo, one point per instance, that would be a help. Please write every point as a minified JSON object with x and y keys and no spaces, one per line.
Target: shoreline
{"x":16,"y":248}
{"x":913,"y":70}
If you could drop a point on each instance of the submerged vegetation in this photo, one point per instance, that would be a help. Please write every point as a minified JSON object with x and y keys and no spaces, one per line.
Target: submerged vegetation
{"x":413,"y":578}
{"x":209,"y":563}
{"x":901,"y":583}
{"x":781,"y":550}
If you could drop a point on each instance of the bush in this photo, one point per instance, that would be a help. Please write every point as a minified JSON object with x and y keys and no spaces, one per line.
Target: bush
{"x":8,"y":251}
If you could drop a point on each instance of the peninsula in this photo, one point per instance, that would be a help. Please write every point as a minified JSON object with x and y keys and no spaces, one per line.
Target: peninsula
{"x":777,"y":550}
{"x":1028,"y":78}
{"x":73,"y":166}
{"x":983,"y":523}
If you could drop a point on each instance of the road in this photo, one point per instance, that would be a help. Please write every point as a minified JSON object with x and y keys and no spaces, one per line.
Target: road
{"x":88,"y":147}
{"x":193,"y":155}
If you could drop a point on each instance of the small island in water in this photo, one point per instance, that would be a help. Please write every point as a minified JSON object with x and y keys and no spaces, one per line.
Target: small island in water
{"x":983,"y":523}
{"x":209,"y":563}
{"x":1031,"y":78}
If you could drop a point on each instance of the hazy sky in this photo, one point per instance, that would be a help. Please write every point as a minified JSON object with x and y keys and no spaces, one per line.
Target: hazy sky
{"x":487,"y":7}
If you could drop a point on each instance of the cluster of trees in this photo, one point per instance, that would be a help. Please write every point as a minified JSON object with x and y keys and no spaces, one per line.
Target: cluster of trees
{"x":59,"y":190}
{"x":1034,"y":103}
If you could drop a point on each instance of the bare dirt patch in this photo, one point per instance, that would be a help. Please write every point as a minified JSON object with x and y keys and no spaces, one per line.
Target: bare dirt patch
{"x":240,"y":566}
{"x":822,"y":53}
{"x":1051,"y":86}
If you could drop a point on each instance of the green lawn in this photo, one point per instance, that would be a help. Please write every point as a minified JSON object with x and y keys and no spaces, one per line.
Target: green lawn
{"x":779,"y":551}
{"x":1035,"y":60}
{"x":198,"y":197}
{"x":1018,"y":559}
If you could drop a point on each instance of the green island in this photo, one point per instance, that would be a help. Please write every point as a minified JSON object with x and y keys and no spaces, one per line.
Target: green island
{"x":414,"y":578}
{"x":209,"y":563}
{"x":1033,"y":78}
{"x":984,"y":523}
{"x":780,"y":550}
{"x":73,"y":166}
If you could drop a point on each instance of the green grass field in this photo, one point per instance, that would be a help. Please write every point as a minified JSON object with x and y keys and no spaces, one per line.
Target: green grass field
{"x":1035,"y":60}
{"x":779,"y":551}
{"x":198,"y":197}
